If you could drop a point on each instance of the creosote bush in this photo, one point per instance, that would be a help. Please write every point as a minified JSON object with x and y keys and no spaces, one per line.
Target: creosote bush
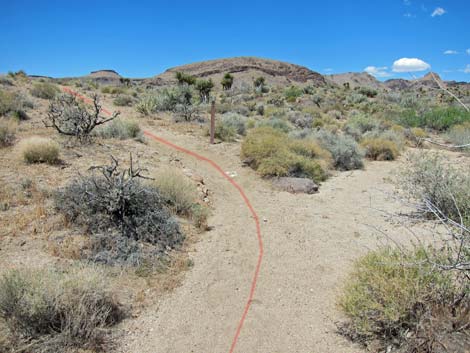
{"x":7,"y":133}
{"x":272,"y":153}
{"x":44,"y":90}
{"x":39,"y":150}
{"x":389,"y":291}
{"x":120,"y":212}
{"x":13,"y":105}
{"x":52,"y":311}
{"x":380,"y":149}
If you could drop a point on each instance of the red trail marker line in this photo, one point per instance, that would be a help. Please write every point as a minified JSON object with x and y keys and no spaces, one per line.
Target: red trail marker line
{"x":242,"y":194}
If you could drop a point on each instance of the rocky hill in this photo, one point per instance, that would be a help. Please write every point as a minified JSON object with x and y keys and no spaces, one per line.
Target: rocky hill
{"x":244,"y":69}
{"x":355,"y":79}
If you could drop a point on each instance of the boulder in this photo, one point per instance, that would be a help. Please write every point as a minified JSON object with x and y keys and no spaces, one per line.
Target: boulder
{"x":296,"y":185}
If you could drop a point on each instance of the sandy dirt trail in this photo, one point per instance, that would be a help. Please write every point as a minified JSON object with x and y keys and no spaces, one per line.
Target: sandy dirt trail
{"x":310,"y":242}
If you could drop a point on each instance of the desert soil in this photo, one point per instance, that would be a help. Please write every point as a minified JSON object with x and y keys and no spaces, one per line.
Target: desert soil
{"x":310,"y":242}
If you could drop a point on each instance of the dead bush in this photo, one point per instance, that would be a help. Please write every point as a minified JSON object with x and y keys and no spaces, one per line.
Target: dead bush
{"x":120,"y":212}
{"x":71,"y":117}
{"x":380,"y":149}
{"x":7,"y":133}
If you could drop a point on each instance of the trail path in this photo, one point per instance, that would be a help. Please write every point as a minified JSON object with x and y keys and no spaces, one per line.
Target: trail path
{"x":310,"y":242}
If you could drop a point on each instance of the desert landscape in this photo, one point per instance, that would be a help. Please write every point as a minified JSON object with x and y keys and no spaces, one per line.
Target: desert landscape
{"x":329,"y":164}
{"x":240,"y":204}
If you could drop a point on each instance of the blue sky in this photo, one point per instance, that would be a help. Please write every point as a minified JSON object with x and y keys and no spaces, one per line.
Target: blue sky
{"x":143,"y":38}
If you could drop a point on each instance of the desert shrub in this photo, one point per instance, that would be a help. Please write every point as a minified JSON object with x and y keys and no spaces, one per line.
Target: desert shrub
{"x":178,"y":100}
{"x":292,"y":93}
{"x":300,"y":120}
{"x":39,"y":150}
{"x":123,"y":101}
{"x":7,"y":133}
{"x":71,"y":117}
{"x":380,"y":149}
{"x":272,"y":153}
{"x":398,"y":138}
{"x":367,"y":91}
{"x":199,"y":215}
{"x":113,"y":90}
{"x":429,"y":179}
{"x":276,"y":123}
{"x":44,"y":90}
{"x":229,"y":125}
{"x":13,"y":105}
{"x":347,"y":155}
{"x":5,"y":81}
{"x":443,"y":118}
{"x":355,"y":98}
{"x":459,"y":134}
{"x":51,"y":310}
{"x":361,"y":123}
{"x":147,"y":105}
{"x":176,"y":190}
{"x":120,"y":212}
{"x":260,"y":109}
{"x":120,"y":129}
{"x":389,"y":291}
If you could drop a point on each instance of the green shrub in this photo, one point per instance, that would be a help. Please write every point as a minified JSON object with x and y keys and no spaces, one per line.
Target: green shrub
{"x":44,"y":90}
{"x":443,"y":118}
{"x":275,"y":123}
{"x":47,"y":310}
{"x":123,"y":101}
{"x":292,"y":93}
{"x":7,"y":133}
{"x":367,"y":91}
{"x":361,"y":123}
{"x":426,"y":177}
{"x":459,"y":134}
{"x":121,"y":129}
{"x":177,"y":191}
{"x":272,"y":153}
{"x":345,"y":151}
{"x":40,"y":150}
{"x":388,"y":292}
{"x":113,"y":90}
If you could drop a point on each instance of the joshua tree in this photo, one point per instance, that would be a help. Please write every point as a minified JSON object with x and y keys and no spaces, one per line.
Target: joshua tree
{"x":227,"y":81}
{"x":259,"y":83}
{"x":204,"y":88}
{"x":185,"y":78}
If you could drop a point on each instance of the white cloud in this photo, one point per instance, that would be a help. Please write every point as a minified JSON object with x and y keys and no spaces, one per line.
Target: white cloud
{"x":467,"y":69}
{"x":380,"y":71}
{"x":438,"y":11}
{"x":410,"y":65}
{"x":451,"y":52}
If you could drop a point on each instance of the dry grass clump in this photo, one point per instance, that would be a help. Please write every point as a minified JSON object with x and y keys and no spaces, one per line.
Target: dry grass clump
{"x":40,"y":150}
{"x":380,"y":149}
{"x":7,"y":132}
{"x":52,"y":311}
{"x":176,"y":190}
{"x":180,"y":195}
{"x":272,"y":153}
{"x":460,"y":134}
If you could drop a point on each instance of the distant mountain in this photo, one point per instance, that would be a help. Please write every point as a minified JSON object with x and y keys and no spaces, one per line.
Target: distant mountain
{"x":244,"y":70}
{"x":355,"y":79}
